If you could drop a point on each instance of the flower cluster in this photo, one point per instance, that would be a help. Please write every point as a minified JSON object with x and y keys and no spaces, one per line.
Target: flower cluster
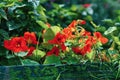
{"x":22,"y":44}
{"x":85,"y":40}
{"x":70,"y":43}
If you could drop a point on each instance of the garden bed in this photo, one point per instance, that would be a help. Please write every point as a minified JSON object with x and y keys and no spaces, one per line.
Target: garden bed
{"x":59,"y":40}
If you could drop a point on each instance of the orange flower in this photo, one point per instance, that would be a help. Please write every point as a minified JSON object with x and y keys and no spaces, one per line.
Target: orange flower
{"x":72,"y":24}
{"x":101,"y":38}
{"x":16,"y":44}
{"x":30,"y":37}
{"x":68,"y":32}
{"x":91,"y":40}
{"x":54,"y":51}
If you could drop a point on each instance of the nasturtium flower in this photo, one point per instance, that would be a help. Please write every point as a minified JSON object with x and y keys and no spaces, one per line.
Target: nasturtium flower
{"x":91,"y":40}
{"x":101,"y":38}
{"x":53,"y":51}
{"x":58,"y":39}
{"x":72,"y":24}
{"x":30,"y":51}
{"x":68,"y":32}
{"x":16,"y":44}
{"x":7,"y":44}
{"x":30,"y":37}
{"x":82,"y":50}
{"x":86,"y":49}
{"x":63,"y":47}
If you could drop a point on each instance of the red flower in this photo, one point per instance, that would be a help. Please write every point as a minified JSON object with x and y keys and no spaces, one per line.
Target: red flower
{"x":30,"y":50}
{"x":91,"y":40}
{"x":30,"y":37}
{"x":55,"y":51}
{"x":58,"y":39}
{"x":19,"y":44}
{"x":85,"y":49}
{"x":63,"y":47}
{"x":7,"y":44}
{"x":101,"y":38}
{"x":97,"y":34}
{"x":76,"y":50}
{"x":16,"y":44}
{"x":86,"y":5}
{"x":82,"y":51}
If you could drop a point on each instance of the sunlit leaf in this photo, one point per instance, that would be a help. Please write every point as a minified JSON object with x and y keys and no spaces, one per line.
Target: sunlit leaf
{"x":21,"y":54}
{"x":110,"y":30}
{"x":50,"y":33}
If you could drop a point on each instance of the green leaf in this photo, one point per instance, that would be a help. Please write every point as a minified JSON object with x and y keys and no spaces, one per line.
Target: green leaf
{"x":112,"y":51}
{"x":56,"y":6}
{"x":90,"y":55}
{"x":101,"y":29}
{"x":37,"y":55}
{"x":2,"y":4}
{"x":21,"y":54}
{"x":52,"y":60}
{"x":3,"y":14}
{"x":116,"y":40}
{"x":4,"y":34}
{"x":41,"y":11}
{"x":12,"y":25}
{"x":107,"y":20}
{"x":11,"y":4}
{"x":110,"y":30}
{"x":50,"y":33}
{"x":42,"y":24}
{"x":29,"y":62}
{"x":73,"y":7}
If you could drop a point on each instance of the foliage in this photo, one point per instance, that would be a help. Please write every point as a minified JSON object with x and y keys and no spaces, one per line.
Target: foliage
{"x":18,"y":16}
{"x":59,"y":32}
